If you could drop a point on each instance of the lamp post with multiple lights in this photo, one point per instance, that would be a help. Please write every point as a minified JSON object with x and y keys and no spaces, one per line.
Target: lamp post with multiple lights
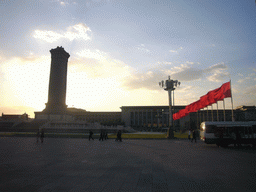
{"x":169,"y":85}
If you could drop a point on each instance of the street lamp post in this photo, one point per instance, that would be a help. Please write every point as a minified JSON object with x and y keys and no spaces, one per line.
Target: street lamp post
{"x":169,"y":85}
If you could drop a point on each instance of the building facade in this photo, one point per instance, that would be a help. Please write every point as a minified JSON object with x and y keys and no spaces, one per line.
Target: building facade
{"x":106,"y":118}
{"x":157,"y":117}
{"x":148,"y":117}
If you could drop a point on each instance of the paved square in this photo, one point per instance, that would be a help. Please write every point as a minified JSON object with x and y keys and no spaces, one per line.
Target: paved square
{"x":63,"y":164}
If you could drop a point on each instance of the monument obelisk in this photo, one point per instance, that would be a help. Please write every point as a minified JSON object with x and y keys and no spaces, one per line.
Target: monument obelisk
{"x":58,"y":80}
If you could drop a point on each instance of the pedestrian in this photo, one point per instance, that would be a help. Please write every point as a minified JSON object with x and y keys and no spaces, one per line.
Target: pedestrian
{"x":37,"y":136}
{"x":101,"y":135}
{"x":42,"y":135}
{"x":90,"y":135}
{"x":119,"y":136}
{"x":238,"y":139}
{"x":189,"y":133}
{"x":194,"y":136}
{"x":106,"y":135}
{"x":220,"y":135}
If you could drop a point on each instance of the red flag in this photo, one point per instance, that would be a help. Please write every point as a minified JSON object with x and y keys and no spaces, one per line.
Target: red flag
{"x":226,"y":90}
{"x":223,"y":92}
{"x":193,"y":107}
{"x":174,"y":116}
{"x":204,"y":102}
{"x":211,"y":97}
{"x":180,"y":114}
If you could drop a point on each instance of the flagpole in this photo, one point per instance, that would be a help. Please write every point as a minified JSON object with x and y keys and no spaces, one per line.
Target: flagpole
{"x":173,"y":109}
{"x":224,"y":110}
{"x":212,"y":113}
{"x":217,"y":111}
{"x":207,"y":114}
{"x":200,"y":117}
{"x":203,"y":114}
{"x":197,"y":119}
{"x":232,"y":103}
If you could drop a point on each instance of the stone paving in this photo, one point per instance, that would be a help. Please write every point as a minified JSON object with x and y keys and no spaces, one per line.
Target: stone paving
{"x":63,"y":164}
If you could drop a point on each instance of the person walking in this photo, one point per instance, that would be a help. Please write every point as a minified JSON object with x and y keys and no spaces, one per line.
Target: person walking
{"x":37,"y":136}
{"x":42,"y":135}
{"x":194,"y":136}
{"x":119,"y":136}
{"x":220,"y":134}
{"x":106,"y":135}
{"x":101,"y":135}
{"x":238,"y":138}
{"x":90,"y":135}
{"x":189,"y":133}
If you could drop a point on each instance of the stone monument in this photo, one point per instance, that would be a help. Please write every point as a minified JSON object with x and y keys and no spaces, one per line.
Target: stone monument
{"x":56,"y":107}
{"x":58,"y":81}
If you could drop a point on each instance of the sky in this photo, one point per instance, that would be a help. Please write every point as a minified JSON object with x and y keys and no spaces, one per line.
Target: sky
{"x":121,"y":49}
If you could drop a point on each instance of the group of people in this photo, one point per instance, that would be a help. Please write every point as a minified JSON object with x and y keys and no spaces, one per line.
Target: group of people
{"x":104,"y":135}
{"x":194,"y":135}
{"x":40,"y":135}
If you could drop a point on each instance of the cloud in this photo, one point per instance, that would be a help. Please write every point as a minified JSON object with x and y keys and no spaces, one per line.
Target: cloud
{"x":78,"y":31}
{"x":63,"y":3}
{"x":97,"y":54}
{"x":184,"y":72}
{"x":175,"y":50}
{"x":248,"y":78}
{"x":48,"y":36}
{"x":218,"y":72}
{"x":142,"y":48}
{"x":219,"y":76}
{"x":251,"y":90}
{"x":100,"y":64}
{"x":147,"y":80}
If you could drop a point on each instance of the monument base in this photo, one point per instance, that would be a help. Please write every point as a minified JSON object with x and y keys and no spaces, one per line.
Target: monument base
{"x":54,"y":116}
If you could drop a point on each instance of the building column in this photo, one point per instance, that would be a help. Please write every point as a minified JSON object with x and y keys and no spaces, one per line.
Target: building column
{"x":147,"y":119}
{"x":134,"y":117}
{"x":142,"y":113}
{"x":162,"y":118}
{"x":138,"y":117}
{"x":151,"y":119}
{"x":157,"y":113}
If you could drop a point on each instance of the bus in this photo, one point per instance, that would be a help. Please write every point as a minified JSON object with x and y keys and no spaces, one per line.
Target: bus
{"x":226,"y":133}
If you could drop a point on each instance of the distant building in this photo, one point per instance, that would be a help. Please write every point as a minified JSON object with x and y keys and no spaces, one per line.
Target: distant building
{"x":11,"y":117}
{"x":245,"y":113}
{"x":107,"y":118}
{"x":157,"y":117}
{"x":148,"y":117}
